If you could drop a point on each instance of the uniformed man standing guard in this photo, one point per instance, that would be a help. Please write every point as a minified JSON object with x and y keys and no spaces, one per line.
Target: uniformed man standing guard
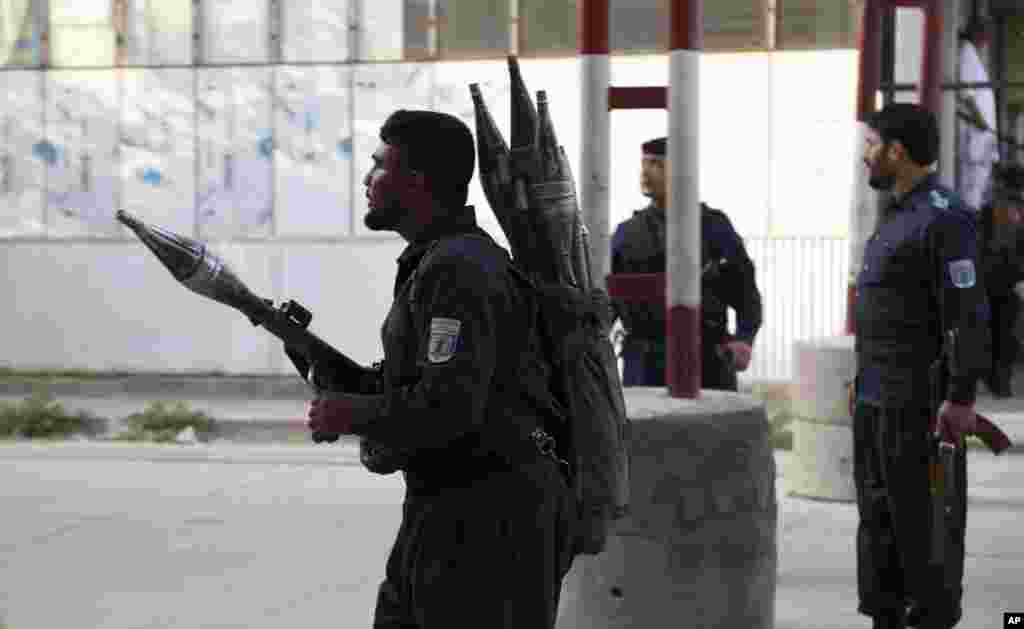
{"x":638,"y":246}
{"x":1002,"y":269}
{"x":919,"y":283}
{"x":485,"y":537}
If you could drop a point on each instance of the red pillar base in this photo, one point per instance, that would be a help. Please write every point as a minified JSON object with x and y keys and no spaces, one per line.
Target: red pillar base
{"x":851,"y":296}
{"x":682,"y":351}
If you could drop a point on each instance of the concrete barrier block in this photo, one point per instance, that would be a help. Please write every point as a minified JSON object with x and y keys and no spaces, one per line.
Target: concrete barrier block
{"x":698,"y":548}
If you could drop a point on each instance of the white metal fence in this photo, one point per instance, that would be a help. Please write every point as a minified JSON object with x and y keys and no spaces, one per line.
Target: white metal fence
{"x":803,"y":282}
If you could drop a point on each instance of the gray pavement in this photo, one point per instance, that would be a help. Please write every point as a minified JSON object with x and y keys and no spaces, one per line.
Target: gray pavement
{"x":126,"y":536}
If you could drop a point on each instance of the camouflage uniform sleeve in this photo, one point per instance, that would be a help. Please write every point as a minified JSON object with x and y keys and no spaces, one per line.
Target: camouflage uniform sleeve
{"x":740,"y":288}
{"x":952,"y":246}
{"x":455,"y":314}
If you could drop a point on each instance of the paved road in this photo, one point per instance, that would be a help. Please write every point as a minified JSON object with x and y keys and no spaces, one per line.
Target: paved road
{"x":127,"y":536}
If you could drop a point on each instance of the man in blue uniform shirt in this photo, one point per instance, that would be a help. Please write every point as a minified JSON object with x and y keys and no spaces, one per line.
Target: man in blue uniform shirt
{"x":486,"y":530}
{"x":638,"y":246}
{"x":919,"y":282}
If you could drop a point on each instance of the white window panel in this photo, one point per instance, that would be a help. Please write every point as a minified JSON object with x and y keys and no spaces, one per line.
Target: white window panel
{"x":235,"y":173}
{"x":158,"y":148}
{"x":313,"y":156}
{"x":22,"y":154}
{"x":236,"y":30}
{"x":316,"y":32}
{"x":82,"y":175}
{"x":380,"y":30}
{"x":79,"y":11}
{"x":159,"y":32}
{"x":19,"y":33}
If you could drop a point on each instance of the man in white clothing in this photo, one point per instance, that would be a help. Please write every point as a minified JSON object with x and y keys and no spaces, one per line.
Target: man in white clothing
{"x":979,"y":146}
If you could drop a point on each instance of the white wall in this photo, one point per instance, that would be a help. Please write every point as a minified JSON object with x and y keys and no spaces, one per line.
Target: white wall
{"x":113,"y":306}
{"x":776,"y":147}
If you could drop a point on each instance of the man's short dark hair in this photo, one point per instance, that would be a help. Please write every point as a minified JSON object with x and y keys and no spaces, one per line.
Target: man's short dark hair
{"x":912,"y":126}
{"x":654,"y":147}
{"x":438,"y":145}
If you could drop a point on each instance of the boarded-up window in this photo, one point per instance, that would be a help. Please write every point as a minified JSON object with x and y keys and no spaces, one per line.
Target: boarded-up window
{"x":803,"y":24}
{"x":473,"y":28}
{"x":548,"y":27}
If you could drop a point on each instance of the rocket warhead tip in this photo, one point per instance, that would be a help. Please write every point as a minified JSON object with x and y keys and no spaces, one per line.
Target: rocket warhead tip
{"x":125,"y":218}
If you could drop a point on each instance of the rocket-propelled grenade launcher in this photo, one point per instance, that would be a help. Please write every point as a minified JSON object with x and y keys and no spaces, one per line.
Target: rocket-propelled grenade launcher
{"x":203,"y":272}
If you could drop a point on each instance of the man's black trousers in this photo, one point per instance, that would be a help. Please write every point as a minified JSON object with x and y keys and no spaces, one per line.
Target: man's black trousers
{"x":490,"y":554}
{"x":895,"y":567}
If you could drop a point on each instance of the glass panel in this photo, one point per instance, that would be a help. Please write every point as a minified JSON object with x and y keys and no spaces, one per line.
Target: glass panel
{"x":814,"y":24}
{"x":82,"y":181}
{"x":234,"y":133}
{"x":313,"y":160}
{"x":417,"y":29}
{"x":547,"y":27}
{"x":316,"y":32}
{"x":159,"y":32}
{"x":236,"y":30}
{"x":379,"y":90}
{"x":23,"y":154}
{"x":380,"y":30}
{"x":81,"y":33}
{"x":19,"y":33}
{"x":638,"y":25}
{"x":735,"y":25}
{"x":474,"y":28}
{"x":158,"y":147}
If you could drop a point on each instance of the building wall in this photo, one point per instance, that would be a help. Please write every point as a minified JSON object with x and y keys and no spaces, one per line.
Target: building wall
{"x":264,"y":161}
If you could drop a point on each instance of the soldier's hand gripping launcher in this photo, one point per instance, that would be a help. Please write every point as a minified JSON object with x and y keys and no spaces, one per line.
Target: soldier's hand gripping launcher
{"x":201,"y":271}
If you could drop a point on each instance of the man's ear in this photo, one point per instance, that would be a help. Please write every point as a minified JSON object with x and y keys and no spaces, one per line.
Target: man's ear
{"x":415,"y":182}
{"x":897,"y":152}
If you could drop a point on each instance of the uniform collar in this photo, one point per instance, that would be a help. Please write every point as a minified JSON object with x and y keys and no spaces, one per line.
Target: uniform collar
{"x":909,"y":201}
{"x":459,"y":221}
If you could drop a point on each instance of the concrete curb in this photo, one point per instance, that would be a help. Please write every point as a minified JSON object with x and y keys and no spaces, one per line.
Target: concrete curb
{"x":345,"y":452}
{"x":156,"y":385}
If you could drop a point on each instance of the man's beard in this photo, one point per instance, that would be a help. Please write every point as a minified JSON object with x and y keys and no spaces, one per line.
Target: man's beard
{"x":384,"y":218}
{"x":881,"y":182}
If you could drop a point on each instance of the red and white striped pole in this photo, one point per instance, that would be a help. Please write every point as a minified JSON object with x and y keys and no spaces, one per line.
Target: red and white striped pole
{"x":595,"y":133}
{"x":682,"y":343}
{"x":931,"y":60}
{"x":864,"y":203}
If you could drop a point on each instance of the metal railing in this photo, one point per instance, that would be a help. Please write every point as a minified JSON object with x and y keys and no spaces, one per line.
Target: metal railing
{"x":803,"y":282}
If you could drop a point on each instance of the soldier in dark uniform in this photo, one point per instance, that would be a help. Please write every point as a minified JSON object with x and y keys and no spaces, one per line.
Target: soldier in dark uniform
{"x":487,"y":522}
{"x":638,"y":246}
{"x":1001,"y":267}
{"x":918,"y":282}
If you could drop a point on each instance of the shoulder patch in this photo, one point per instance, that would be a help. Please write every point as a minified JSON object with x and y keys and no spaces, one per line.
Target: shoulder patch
{"x":962,"y":273}
{"x":444,"y":339}
{"x":939,"y":200}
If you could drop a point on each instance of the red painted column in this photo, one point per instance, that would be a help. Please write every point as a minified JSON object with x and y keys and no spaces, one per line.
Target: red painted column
{"x":931,"y":61}
{"x":864,"y":202}
{"x":682,"y":329}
